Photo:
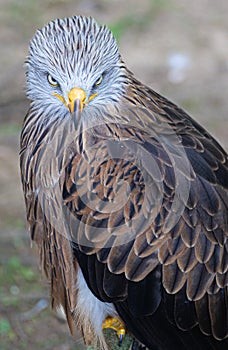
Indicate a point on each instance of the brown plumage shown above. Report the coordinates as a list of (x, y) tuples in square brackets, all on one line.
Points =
[(136, 195)]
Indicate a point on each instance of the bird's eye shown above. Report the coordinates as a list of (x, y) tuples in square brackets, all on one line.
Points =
[(52, 81), (98, 81)]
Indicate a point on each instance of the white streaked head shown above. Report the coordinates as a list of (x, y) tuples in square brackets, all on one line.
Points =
[(74, 53)]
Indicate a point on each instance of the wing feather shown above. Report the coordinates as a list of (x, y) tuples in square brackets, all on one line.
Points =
[(192, 252), (145, 199)]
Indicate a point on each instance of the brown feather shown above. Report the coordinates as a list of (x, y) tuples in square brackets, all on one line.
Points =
[(198, 281), (140, 187), (173, 278)]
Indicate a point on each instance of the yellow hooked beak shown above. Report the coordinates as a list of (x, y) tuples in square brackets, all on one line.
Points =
[(76, 98)]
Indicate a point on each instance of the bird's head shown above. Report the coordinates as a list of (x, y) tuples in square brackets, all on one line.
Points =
[(74, 63)]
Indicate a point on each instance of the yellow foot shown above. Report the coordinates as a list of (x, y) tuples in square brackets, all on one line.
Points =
[(117, 325)]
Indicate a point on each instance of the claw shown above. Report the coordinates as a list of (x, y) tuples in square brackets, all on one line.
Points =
[(117, 325), (121, 336)]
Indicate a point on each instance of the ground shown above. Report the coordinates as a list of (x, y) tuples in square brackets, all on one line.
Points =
[(177, 47)]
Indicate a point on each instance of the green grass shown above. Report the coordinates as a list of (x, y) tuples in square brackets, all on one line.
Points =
[(14, 272), (10, 129), (6, 330), (138, 22)]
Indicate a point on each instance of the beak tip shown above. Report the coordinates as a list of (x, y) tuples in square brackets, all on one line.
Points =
[(76, 99)]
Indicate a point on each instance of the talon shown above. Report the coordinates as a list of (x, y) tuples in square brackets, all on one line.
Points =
[(121, 336), (117, 325)]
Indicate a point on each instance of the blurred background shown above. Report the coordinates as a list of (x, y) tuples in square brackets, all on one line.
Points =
[(179, 48)]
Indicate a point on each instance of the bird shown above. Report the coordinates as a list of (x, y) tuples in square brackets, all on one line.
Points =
[(126, 197)]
